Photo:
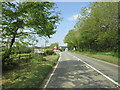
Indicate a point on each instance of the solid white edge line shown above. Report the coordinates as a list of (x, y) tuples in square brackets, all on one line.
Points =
[(102, 61), (52, 72), (96, 70)]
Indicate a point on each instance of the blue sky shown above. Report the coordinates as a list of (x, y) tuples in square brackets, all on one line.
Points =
[(70, 11)]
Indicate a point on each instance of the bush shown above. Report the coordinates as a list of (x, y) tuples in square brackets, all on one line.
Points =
[(37, 58), (61, 50), (54, 54), (49, 51), (9, 64)]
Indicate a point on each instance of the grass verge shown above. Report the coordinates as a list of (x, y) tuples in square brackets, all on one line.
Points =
[(105, 56), (29, 75)]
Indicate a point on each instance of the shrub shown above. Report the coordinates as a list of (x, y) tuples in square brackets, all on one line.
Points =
[(9, 64), (37, 58), (55, 54), (61, 49), (49, 51)]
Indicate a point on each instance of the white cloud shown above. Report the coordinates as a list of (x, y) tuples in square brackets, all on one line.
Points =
[(80, 16), (75, 17)]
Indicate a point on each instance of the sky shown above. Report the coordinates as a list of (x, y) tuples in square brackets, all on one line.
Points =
[(69, 12)]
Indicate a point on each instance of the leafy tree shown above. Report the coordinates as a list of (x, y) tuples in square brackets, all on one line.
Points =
[(53, 45), (72, 38), (97, 30), (106, 28), (39, 17)]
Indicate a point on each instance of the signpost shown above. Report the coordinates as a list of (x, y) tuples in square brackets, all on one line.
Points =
[(55, 49)]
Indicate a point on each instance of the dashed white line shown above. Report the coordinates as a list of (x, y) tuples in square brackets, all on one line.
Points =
[(95, 70), (52, 72)]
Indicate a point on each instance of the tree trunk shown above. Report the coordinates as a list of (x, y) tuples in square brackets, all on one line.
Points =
[(8, 52)]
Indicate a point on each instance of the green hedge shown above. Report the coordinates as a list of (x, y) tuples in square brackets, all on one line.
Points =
[(37, 58), (49, 51)]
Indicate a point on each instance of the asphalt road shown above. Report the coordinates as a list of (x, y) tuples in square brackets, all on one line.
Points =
[(74, 71), (108, 69)]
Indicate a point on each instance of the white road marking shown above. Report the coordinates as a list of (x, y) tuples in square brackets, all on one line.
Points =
[(104, 62), (96, 70), (87, 66), (52, 72)]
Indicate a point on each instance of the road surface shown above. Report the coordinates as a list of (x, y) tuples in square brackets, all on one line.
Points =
[(78, 71)]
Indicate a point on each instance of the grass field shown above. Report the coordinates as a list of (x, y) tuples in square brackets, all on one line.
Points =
[(105, 56), (29, 75)]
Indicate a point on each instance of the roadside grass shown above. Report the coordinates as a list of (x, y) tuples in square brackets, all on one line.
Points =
[(29, 75), (110, 57)]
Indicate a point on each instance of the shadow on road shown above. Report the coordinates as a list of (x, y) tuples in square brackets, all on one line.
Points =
[(75, 74)]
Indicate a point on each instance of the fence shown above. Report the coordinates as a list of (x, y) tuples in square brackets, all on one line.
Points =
[(21, 58)]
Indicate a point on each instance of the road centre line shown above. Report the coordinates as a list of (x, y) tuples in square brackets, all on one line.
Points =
[(95, 70), (52, 73)]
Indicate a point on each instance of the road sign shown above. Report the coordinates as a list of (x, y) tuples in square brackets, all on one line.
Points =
[(55, 47)]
